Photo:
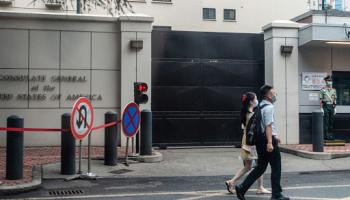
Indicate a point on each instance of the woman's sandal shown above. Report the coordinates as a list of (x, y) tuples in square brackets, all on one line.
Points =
[(263, 191), (229, 187)]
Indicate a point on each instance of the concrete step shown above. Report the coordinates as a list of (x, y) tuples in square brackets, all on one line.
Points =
[(334, 142)]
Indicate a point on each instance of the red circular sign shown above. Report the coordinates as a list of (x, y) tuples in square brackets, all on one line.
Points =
[(131, 119), (82, 118)]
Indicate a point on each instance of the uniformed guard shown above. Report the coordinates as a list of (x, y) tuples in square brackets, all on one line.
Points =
[(328, 97)]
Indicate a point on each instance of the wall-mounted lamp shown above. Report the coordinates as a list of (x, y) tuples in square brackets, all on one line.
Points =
[(136, 44), (286, 49)]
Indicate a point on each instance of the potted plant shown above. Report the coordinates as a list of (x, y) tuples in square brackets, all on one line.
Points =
[(54, 4), (6, 2)]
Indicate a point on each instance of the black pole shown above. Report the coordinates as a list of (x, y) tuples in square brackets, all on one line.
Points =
[(146, 132), (317, 131), (323, 5), (67, 147), (111, 140), (138, 137), (137, 142), (78, 7), (14, 149)]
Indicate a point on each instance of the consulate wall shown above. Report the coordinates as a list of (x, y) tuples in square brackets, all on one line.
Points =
[(47, 61)]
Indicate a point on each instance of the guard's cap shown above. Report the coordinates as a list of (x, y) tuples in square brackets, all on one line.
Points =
[(328, 78)]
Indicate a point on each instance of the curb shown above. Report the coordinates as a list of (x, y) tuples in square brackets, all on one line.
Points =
[(313, 155), (36, 182), (154, 158)]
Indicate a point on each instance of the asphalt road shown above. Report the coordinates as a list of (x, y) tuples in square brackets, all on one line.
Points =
[(303, 186)]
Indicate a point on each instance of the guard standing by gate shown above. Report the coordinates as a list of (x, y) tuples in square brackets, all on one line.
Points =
[(328, 97)]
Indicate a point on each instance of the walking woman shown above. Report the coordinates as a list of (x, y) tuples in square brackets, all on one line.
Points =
[(248, 153)]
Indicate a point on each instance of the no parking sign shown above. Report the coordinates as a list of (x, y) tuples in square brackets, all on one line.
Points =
[(131, 119), (82, 118)]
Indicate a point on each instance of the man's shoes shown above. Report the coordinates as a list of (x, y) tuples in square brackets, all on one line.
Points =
[(239, 193), (280, 198)]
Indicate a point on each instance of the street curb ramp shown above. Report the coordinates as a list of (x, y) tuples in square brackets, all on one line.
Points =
[(154, 158), (34, 184), (313, 155)]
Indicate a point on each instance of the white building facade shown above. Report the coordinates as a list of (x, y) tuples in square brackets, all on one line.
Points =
[(320, 47), (190, 15)]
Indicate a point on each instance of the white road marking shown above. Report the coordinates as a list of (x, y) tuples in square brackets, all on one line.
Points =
[(256, 196), (314, 187), (197, 194)]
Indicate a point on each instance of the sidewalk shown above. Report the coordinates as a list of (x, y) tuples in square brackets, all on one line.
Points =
[(177, 162), (305, 151), (37, 156)]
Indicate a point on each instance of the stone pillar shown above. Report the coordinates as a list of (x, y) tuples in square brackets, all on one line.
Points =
[(135, 64), (281, 71)]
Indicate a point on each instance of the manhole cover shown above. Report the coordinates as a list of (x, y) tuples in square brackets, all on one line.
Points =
[(65, 192), (120, 171)]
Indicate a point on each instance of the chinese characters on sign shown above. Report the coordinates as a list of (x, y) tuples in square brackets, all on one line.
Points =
[(313, 80)]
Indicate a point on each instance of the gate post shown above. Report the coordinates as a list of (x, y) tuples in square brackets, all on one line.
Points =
[(14, 149)]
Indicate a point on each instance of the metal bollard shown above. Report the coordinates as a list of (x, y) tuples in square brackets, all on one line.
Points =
[(317, 131), (111, 140), (67, 147), (14, 149), (137, 142), (146, 132)]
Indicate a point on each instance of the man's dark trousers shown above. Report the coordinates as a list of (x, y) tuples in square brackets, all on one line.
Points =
[(264, 158), (328, 120)]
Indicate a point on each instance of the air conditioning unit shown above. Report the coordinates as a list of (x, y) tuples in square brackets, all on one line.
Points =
[(53, 4), (6, 2)]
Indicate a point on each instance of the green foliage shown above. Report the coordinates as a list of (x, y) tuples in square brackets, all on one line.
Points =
[(113, 7)]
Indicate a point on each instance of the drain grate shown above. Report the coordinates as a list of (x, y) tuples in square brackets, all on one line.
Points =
[(65, 192), (120, 171)]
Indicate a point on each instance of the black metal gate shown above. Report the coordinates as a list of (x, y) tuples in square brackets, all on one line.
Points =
[(197, 81)]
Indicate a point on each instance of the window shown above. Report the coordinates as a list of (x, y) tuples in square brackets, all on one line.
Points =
[(229, 14), (162, 28), (341, 82), (209, 14)]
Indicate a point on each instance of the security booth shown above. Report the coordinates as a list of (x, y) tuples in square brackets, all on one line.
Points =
[(298, 55)]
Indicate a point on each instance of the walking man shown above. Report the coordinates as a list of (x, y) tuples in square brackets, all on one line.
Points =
[(267, 149), (328, 98)]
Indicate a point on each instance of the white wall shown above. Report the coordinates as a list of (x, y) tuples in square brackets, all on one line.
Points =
[(97, 48), (187, 14)]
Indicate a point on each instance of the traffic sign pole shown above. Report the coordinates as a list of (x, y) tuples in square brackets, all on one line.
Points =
[(127, 152), (80, 146), (130, 125), (89, 174), (132, 146)]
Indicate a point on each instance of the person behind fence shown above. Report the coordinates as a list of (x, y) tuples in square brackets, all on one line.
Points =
[(248, 152), (267, 148)]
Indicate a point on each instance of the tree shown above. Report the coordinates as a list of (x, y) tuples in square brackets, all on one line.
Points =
[(111, 6)]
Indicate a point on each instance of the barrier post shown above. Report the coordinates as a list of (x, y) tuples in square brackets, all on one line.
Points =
[(67, 147), (317, 131), (111, 140), (14, 149), (146, 132)]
